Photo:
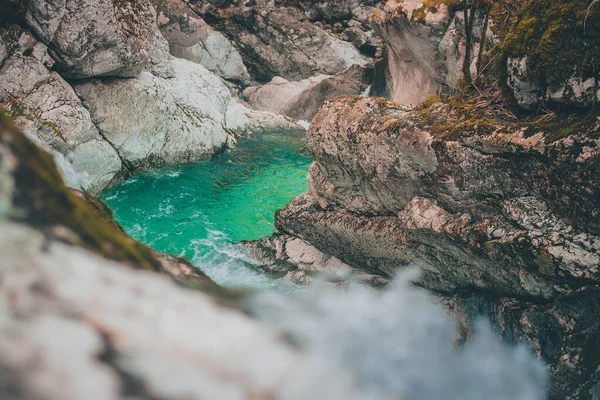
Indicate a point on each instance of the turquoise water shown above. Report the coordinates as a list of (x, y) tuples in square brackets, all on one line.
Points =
[(200, 211)]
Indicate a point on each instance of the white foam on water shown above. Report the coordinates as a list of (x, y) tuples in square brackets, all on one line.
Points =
[(230, 265), (400, 343)]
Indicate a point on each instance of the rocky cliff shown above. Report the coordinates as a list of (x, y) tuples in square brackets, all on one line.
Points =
[(542, 54), (500, 215), (89, 313), (492, 193), (95, 82), (498, 208)]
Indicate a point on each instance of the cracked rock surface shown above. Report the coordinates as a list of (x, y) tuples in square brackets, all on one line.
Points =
[(484, 213), (278, 40)]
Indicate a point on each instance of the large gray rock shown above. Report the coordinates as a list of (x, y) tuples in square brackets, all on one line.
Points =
[(191, 38), (280, 95), (46, 106), (279, 40), (302, 100), (153, 121), (94, 38), (501, 217)]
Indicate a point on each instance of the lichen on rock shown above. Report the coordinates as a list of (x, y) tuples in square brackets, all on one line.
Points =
[(493, 209)]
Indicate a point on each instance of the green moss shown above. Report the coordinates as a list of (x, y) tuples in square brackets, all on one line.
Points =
[(454, 117), (18, 109), (567, 126), (47, 203), (52, 126), (43, 201), (453, 5), (432, 6), (418, 14), (431, 100), (460, 116), (560, 38)]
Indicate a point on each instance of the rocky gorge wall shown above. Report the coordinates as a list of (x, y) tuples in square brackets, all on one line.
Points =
[(501, 217), (500, 213), (498, 208), (95, 82), (89, 313)]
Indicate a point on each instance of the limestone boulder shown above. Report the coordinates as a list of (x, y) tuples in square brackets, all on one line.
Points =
[(94, 38), (45, 106), (193, 39), (302, 100), (154, 121)]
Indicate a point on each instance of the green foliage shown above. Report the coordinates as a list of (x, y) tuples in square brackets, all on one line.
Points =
[(560, 38), (431, 100)]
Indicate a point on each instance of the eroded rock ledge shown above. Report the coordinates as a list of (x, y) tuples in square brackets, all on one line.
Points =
[(501, 216)]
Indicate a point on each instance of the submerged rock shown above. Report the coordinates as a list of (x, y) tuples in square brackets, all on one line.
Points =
[(500, 216)]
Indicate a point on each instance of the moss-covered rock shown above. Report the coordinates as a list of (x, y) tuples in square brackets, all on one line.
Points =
[(560, 39), (39, 198)]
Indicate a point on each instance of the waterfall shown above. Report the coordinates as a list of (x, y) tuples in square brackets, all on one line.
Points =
[(72, 178), (366, 92)]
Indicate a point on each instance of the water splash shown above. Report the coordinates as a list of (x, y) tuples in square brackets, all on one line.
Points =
[(303, 123), (400, 342), (366, 92), (72, 178)]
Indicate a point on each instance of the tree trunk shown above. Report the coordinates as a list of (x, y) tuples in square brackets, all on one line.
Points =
[(483, 40), (469, 19)]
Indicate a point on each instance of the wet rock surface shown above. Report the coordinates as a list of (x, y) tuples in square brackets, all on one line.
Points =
[(479, 212)]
